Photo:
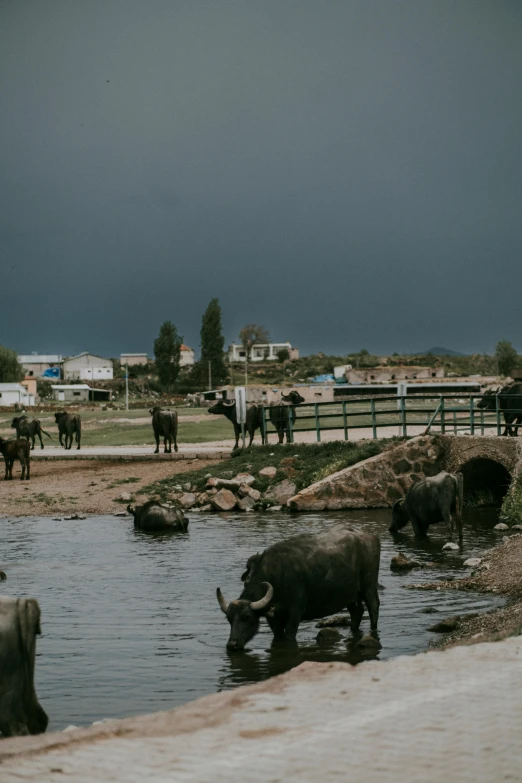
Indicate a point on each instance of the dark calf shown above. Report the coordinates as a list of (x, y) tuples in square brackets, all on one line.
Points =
[(16, 449)]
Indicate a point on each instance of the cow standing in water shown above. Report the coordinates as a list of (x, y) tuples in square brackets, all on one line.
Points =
[(20, 712), (427, 502), (304, 578)]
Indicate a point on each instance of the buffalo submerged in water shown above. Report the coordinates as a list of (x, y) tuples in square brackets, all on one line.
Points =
[(304, 578)]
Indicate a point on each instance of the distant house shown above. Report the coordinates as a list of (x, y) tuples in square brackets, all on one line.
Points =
[(15, 393), (260, 352), (79, 392), (87, 366), (187, 356), (387, 374), (41, 365), (132, 359)]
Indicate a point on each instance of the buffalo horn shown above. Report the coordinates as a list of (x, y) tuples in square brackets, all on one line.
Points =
[(221, 600), (263, 602), (398, 503), (229, 403)]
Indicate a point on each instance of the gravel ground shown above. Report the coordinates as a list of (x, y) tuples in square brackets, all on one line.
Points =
[(87, 487), (501, 573)]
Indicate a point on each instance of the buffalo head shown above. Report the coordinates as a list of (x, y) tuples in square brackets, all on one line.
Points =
[(243, 617), (17, 419), (293, 397), (399, 516), (488, 401), (221, 407)]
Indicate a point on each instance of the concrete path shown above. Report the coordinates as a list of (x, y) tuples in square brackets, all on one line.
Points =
[(188, 450), (433, 718)]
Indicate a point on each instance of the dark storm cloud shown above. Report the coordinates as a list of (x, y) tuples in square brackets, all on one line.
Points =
[(347, 174)]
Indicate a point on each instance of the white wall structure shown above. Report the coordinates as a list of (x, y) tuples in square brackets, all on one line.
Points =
[(87, 366), (12, 393), (132, 359), (260, 352), (187, 356)]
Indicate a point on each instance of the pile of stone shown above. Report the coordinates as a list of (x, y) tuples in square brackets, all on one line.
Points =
[(236, 494)]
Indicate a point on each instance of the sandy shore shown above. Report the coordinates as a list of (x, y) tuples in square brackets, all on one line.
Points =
[(84, 486)]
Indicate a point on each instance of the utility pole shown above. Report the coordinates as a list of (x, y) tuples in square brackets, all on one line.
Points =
[(210, 376), (126, 386)]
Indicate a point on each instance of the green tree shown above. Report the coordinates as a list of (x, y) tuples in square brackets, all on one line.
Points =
[(253, 334), (11, 371), (212, 345), (283, 355), (506, 356), (167, 350)]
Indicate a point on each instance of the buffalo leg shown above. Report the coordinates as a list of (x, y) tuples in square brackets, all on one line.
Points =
[(292, 624), (176, 442), (156, 451), (371, 599), (32, 437), (22, 463), (237, 432), (6, 474), (10, 469), (356, 609), (78, 438), (28, 468), (277, 622)]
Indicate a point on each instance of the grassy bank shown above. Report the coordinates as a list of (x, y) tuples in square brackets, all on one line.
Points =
[(304, 464)]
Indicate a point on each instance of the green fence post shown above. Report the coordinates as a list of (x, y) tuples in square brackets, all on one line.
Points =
[(472, 415), (497, 411), (374, 421), (403, 416), (442, 417), (317, 425), (455, 422), (345, 421), (290, 427)]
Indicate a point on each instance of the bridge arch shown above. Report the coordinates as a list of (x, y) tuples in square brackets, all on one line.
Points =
[(486, 480)]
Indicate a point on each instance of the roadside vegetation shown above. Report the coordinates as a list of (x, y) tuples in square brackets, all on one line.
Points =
[(303, 464)]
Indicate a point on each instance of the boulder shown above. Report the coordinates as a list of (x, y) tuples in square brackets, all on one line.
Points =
[(274, 508), (369, 642), (187, 500), (445, 626), (402, 563), (187, 487), (336, 620), (244, 478), (246, 504), (255, 494), (268, 472), (206, 508), (450, 547), (243, 491), (501, 526), (125, 496), (281, 492), (516, 527), (223, 483), (473, 562), (328, 636), (224, 500)]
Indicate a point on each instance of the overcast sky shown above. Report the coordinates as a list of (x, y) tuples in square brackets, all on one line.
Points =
[(347, 173)]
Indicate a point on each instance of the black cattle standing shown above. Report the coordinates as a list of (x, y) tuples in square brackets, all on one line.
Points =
[(165, 425), (253, 417), (429, 501), (283, 413), (69, 424), (16, 449), (304, 578), (509, 402), (29, 429)]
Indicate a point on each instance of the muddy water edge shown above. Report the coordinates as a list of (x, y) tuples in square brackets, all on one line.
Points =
[(131, 623)]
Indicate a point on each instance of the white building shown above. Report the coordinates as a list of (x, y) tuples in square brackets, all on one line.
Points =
[(87, 366), (12, 393), (186, 356), (79, 392), (133, 359), (36, 364), (260, 352)]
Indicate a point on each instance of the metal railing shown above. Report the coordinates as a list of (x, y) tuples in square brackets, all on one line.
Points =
[(405, 414)]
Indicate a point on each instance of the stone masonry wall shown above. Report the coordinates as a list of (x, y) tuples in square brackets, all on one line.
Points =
[(377, 482)]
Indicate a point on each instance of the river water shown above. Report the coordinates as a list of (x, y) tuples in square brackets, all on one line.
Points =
[(131, 623)]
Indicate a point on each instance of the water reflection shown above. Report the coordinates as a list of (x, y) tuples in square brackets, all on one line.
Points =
[(131, 622)]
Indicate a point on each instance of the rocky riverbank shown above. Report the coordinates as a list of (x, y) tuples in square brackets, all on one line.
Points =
[(499, 572)]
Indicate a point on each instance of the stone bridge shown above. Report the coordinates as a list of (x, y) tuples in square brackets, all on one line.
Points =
[(488, 464)]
